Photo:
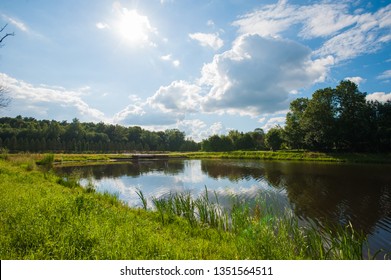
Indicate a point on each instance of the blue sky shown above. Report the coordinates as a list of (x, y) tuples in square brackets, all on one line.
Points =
[(203, 67)]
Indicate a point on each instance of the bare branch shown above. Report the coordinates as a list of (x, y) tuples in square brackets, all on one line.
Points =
[(1, 30), (7, 34)]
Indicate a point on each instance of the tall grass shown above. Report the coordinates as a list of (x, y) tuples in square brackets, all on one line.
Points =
[(142, 198), (262, 229)]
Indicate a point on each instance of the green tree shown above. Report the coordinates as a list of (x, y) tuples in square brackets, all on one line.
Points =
[(216, 143), (258, 137), (380, 126), (319, 120), (274, 138), (352, 117), (175, 139), (293, 124)]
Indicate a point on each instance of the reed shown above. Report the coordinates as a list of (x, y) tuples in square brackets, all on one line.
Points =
[(263, 229), (142, 198)]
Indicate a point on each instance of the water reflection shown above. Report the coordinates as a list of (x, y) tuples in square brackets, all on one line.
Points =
[(332, 193)]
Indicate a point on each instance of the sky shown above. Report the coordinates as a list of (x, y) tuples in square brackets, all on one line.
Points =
[(204, 67)]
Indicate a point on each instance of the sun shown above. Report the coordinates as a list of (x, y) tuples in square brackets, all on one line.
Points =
[(133, 27)]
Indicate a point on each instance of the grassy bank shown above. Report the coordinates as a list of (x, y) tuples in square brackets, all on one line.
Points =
[(293, 155), (46, 217), (257, 155)]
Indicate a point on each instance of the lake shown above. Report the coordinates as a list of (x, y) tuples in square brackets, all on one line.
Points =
[(323, 192)]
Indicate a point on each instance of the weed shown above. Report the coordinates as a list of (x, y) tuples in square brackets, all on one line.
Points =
[(142, 198), (47, 162)]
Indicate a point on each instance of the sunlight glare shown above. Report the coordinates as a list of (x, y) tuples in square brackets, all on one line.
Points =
[(133, 27)]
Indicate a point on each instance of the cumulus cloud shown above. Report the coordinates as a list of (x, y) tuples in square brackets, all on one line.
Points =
[(168, 106), (356, 80), (257, 75), (199, 130), (379, 96), (211, 40), (179, 96), (44, 99), (144, 114), (273, 122)]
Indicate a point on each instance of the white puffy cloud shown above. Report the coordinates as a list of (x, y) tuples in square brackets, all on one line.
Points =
[(198, 130), (356, 80), (211, 40), (257, 75), (273, 122), (168, 106), (102, 25), (179, 96), (44, 99), (168, 57), (143, 114), (379, 96)]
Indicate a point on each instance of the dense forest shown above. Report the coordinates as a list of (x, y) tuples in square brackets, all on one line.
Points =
[(333, 119), (28, 134)]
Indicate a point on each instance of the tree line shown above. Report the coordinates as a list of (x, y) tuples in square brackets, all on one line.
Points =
[(31, 135), (333, 119)]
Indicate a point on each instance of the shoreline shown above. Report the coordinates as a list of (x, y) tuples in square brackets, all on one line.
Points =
[(46, 217)]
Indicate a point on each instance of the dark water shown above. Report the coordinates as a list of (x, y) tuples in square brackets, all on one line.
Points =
[(329, 193)]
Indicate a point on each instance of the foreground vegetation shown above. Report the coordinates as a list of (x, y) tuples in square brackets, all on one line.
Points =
[(43, 216)]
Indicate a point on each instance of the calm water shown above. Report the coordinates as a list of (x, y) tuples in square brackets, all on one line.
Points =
[(335, 193)]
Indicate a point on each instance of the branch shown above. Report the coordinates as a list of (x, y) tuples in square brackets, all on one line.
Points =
[(7, 34), (1, 30)]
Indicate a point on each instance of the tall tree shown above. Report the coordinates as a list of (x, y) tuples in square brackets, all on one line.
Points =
[(352, 117), (319, 120), (293, 124)]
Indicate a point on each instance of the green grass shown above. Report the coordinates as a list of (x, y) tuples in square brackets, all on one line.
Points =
[(42, 219), (262, 230), (46, 217), (291, 155), (295, 155)]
